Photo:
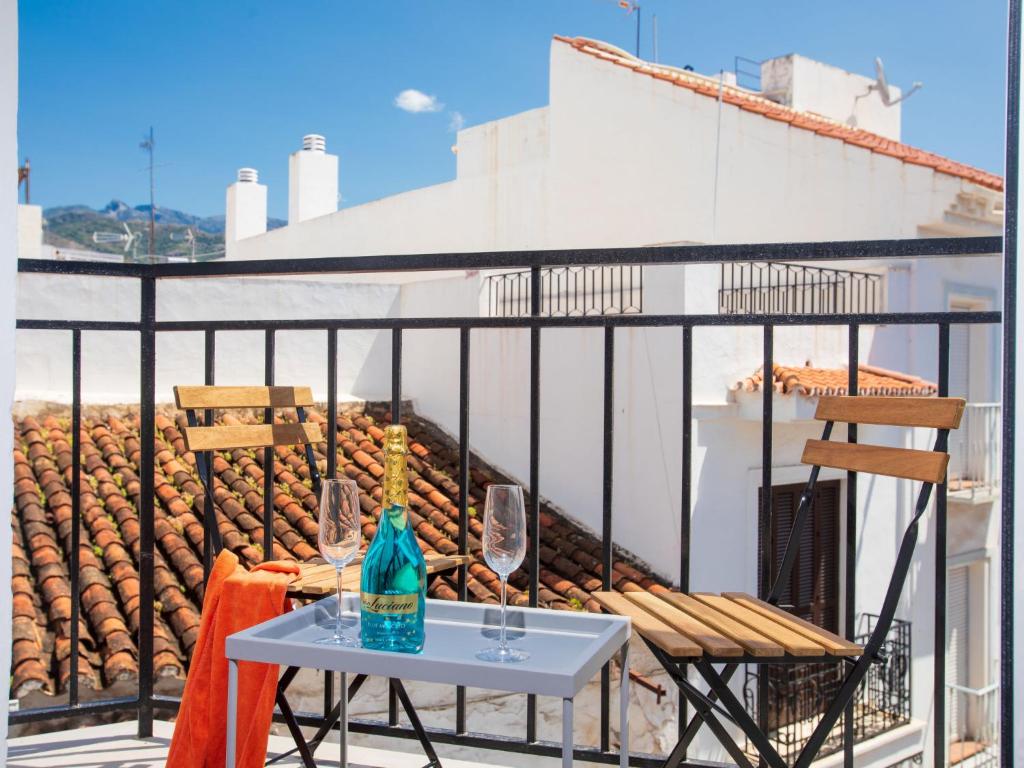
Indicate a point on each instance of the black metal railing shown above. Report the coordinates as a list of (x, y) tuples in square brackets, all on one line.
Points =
[(798, 694), (617, 289), (148, 326), (763, 287)]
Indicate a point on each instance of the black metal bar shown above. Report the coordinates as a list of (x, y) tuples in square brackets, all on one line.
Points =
[(463, 571), (939, 744), (685, 505), (591, 321), (147, 437), (606, 514), (332, 403), (850, 576), (533, 514), (396, 376), (767, 398), (392, 704), (82, 709), (211, 532), (268, 452), (76, 508), (1009, 386), (293, 727), (842, 250), (70, 325)]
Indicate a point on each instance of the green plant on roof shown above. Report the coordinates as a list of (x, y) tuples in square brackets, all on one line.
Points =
[(97, 550), (575, 604), (188, 498), (471, 511)]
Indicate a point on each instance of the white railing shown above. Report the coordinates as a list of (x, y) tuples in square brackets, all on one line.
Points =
[(974, 452), (973, 731)]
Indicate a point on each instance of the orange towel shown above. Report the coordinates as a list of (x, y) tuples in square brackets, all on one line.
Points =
[(236, 599)]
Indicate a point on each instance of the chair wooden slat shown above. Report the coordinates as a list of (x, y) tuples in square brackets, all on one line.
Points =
[(910, 464), (795, 644), (242, 397), (832, 643), (753, 642), (250, 436), (714, 643), (321, 579), (652, 629), (932, 412)]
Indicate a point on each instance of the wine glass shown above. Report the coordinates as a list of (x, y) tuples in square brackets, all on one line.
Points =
[(504, 550), (340, 535)]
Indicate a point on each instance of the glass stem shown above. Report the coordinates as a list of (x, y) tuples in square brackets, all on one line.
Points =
[(337, 624), (502, 641)]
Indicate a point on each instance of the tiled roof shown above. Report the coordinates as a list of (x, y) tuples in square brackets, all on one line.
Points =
[(110, 450), (810, 381), (753, 102)]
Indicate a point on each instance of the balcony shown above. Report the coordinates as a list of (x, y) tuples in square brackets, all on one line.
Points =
[(974, 453), (797, 695), (551, 292), (973, 726)]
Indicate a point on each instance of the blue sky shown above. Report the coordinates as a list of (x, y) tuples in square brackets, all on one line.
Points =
[(229, 84)]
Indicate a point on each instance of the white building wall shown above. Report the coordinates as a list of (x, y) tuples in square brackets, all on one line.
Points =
[(8, 246)]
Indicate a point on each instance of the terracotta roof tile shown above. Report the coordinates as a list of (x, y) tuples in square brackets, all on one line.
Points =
[(753, 102), (109, 553), (812, 382)]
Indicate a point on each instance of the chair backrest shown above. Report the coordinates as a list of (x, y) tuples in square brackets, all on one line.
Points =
[(942, 413), (230, 436)]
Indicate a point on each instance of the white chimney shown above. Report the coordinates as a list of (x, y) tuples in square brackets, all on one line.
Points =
[(246, 212), (312, 180)]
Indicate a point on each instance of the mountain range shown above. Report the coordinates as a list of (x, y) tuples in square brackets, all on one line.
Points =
[(73, 226)]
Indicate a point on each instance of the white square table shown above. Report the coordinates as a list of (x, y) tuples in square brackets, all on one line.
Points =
[(567, 648)]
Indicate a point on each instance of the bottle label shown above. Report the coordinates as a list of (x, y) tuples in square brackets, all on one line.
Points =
[(393, 604)]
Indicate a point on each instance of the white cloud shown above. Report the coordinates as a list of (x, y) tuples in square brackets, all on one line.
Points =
[(412, 100), (455, 122)]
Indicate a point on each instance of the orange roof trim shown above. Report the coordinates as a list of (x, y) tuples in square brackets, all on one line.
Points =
[(751, 102), (813, 382)]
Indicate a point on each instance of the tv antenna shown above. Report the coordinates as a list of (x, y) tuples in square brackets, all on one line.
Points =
[(148, 143), (189, 237), (24, 175), (128, 238), (631, 6), (881, 85)]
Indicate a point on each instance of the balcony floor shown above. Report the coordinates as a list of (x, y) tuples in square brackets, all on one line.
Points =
[(116, 746)]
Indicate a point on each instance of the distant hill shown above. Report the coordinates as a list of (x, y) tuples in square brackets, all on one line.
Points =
[(70, 226)]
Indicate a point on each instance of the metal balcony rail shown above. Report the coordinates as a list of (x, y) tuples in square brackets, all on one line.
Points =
[(145, 702), (975, 451), (798, 694), (568, 291), (974, 734), (760, 287)]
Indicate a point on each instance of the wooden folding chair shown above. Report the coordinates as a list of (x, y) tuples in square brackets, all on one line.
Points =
[(203, 440), (735, 628)]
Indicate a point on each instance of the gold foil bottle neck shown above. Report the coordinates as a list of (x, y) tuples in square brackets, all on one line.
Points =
[(396, 481)]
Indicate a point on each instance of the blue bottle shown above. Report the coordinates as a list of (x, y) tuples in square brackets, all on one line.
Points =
[(394, 577)]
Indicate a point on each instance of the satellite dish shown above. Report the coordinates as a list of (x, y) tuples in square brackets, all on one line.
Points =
[(881, 85)]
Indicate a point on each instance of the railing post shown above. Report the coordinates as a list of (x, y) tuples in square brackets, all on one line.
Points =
[(850, 576), (533, 514), (606, 512), (1012, 286), (767, 395), (268, 453), (463, 573), (939, 693), (76, 508), (147, 414)]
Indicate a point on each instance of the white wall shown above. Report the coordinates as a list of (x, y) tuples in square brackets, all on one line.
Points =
[(30, 231), (8, 247)]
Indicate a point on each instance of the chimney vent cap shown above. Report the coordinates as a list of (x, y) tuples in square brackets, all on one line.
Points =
[(314, 142), (248, 175)]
